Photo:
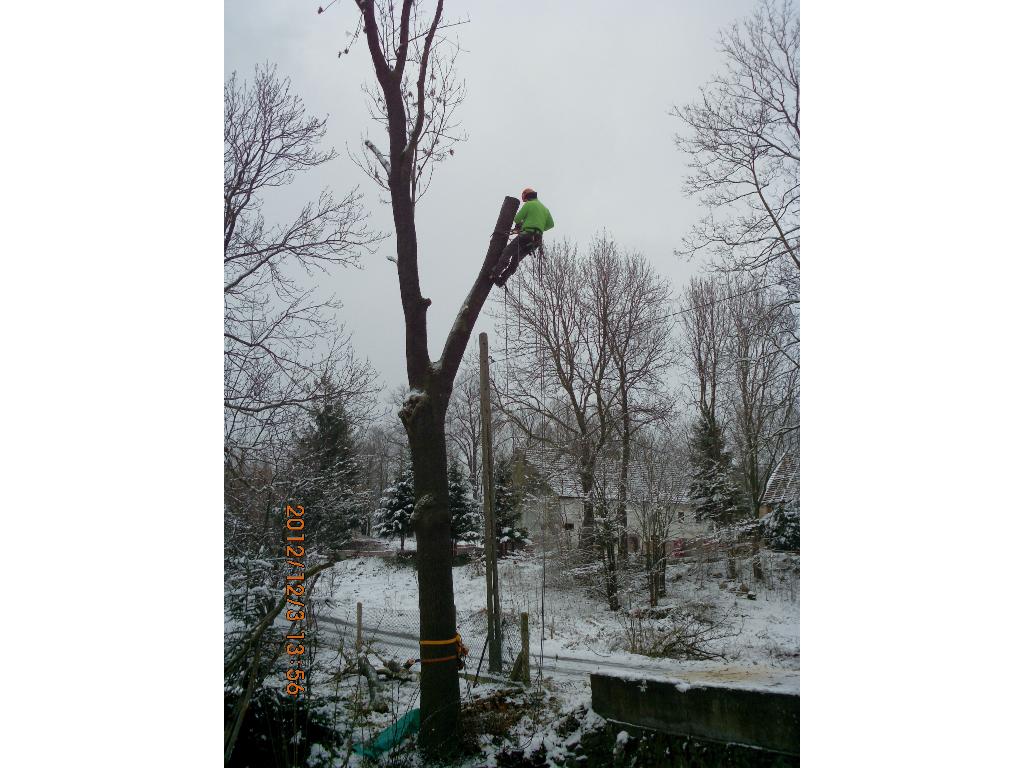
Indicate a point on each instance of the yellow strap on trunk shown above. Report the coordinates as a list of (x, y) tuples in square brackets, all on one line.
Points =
[(455, 639)]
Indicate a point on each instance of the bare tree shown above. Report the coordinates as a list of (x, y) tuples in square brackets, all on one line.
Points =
[(744, 148), (765, 387), (558, 341), (563, 311), (380, 452), (463, 424), (280, 344), (283, 356), (279, 340), (413, 100), (632, 306), (596, 328), (744, 145), (658, 492), (706, 345), (706, 328)]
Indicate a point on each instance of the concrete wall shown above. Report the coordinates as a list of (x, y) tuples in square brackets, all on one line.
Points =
[(757, 718)]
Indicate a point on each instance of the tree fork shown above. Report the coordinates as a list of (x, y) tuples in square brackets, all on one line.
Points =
[(423, 415)]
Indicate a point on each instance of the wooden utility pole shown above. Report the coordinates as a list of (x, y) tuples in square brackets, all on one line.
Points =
[(524, 637), (521, 669), (490, 527)]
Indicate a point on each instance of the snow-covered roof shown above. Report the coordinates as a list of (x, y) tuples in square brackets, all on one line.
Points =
[(784, 483)]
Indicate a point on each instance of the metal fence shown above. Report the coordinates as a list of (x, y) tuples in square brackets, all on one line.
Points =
[(394, 634)]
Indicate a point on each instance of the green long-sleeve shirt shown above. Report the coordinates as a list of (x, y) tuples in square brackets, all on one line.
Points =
[(534, 215)]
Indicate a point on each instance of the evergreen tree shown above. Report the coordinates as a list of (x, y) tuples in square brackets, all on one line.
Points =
[(394, 516), (467, 520), (326, 472), (507, 508), (713, 492), (781, 529)]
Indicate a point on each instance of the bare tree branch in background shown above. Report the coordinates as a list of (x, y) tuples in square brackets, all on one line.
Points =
[(279, 340), (558, 340), (764, 389), (744, 148), (633, 309), (661, 484), (706, 330), (284, 357), (463, 420)]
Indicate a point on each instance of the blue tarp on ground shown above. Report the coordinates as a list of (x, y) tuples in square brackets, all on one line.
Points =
[(391, 736)]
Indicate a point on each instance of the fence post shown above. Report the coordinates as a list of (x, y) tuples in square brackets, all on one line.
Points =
[(359, 627), (524, 634)]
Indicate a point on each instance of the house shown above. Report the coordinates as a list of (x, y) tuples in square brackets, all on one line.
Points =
[(783, 485), (560, 514)]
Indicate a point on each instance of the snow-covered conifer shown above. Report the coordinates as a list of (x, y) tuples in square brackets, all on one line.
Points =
[(507, 509), (467, 519), (393, 517), (713, 492)]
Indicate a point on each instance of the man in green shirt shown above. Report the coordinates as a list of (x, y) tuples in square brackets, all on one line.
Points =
[(532, 220)]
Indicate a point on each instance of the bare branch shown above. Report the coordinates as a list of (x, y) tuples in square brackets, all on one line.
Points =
[(744, 145)]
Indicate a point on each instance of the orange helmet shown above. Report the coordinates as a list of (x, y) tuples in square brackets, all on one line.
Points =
[(528, 191)]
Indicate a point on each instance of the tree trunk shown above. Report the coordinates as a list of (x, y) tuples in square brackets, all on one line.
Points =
[(624, 477), (587, 530), (431, 383), (587, 539), (611, 581), (662, 567), (474, 475), (423, 417)]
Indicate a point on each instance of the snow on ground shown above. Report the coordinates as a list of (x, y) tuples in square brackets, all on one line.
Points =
[(761, 646), (760, 642)]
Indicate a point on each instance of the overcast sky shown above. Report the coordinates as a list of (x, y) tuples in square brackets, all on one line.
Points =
[(570, 97)]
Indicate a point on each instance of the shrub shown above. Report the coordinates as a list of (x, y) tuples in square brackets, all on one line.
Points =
[(781, 529)]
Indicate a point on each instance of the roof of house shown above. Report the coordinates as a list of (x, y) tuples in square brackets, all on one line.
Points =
[(784, 483)]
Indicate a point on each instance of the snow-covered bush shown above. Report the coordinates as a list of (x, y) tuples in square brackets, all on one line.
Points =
[(691, 632), (781, 529), (511, 539)]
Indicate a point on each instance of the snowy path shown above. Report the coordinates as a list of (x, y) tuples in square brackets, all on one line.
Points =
[(563, 666)]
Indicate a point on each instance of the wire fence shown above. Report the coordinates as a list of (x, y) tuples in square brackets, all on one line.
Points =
[(394, 634)]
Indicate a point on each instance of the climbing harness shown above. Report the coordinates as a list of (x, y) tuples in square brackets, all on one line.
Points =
[(513, 263)]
